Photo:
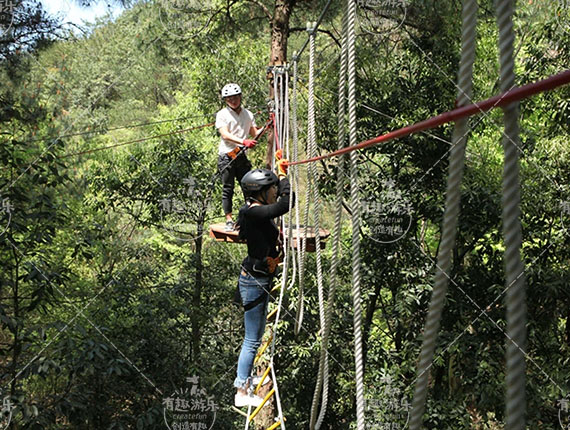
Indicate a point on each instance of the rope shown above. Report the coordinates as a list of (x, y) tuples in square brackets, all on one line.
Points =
[(512, 230), (323, 375), (312, 144), (501, 100), (355, 206), (295, 172), (281, 106), (449, 228), (315, 189)]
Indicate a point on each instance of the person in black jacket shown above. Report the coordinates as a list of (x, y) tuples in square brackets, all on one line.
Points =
[(267, 198)]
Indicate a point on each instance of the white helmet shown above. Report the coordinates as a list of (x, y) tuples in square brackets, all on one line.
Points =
[(230, 90)]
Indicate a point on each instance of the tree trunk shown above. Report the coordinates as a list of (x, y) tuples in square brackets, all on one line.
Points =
[(278, 55)]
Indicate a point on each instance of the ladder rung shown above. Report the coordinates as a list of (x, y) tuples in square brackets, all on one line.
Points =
[(254, 413), (274, 426), (262, 379), (262, 350)]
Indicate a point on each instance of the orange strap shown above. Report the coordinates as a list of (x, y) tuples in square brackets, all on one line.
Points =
[(272, 263), (234, 152)]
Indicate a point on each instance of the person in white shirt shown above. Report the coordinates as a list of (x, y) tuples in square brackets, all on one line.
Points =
[(235, 125)]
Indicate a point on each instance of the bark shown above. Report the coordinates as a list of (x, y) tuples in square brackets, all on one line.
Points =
[(278, 54)]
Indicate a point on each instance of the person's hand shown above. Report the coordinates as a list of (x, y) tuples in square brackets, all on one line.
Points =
[(279, 154), (249, 143), (282, 166)]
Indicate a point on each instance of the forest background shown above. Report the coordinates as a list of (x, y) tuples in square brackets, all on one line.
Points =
[(111, 293)]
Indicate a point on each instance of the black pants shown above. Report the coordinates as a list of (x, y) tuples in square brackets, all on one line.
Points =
[(230, 172)]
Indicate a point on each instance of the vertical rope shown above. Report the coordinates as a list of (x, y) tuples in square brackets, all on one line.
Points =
[(514, 267), (323, 375), (452, 203), (295, 172), (313, 173), (313, 177), (355, 207)]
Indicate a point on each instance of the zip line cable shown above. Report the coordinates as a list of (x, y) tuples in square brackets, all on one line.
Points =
[(501, 100), (143, 139), (123, 127)]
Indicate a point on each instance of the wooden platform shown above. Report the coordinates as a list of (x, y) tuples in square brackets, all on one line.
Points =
[(217, 232)]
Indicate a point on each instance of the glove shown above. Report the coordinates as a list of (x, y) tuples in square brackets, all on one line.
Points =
[(282, 167), (279, 154), (249, 143)]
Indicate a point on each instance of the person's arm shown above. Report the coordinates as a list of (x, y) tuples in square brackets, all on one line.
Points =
[(254, 131), (229, 137), (280, 207)]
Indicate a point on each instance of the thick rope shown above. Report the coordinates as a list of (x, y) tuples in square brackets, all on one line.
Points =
[(300, 243), (452, 204), (355, 207), (312, 144), (323, 375), (315, 192), (514, 268), (280, 104)]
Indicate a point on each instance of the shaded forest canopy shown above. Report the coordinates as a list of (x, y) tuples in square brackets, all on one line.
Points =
[(111, 296)]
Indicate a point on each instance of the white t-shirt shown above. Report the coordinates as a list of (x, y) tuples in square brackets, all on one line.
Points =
[(238, 125)]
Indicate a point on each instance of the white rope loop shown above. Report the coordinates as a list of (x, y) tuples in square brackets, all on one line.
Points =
[(512, 230), (451, 214), (355, 207), (323, 375), (295, 172)]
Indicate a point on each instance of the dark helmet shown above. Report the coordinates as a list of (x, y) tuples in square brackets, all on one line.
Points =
[(257, 179)]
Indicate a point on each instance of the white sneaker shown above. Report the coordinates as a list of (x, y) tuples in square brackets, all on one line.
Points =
[(242, 400), (256, 379)]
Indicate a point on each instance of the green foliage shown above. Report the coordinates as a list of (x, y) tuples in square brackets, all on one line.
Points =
[(108, 300)]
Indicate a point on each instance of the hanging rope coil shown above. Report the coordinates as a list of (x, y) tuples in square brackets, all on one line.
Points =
[(452, 203), (512, 230), (355, 207), (323, 375)]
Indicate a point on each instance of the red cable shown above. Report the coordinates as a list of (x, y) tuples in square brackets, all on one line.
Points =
[(272, 116), (500, 100)]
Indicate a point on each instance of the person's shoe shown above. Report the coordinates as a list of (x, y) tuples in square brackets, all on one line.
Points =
[(242, 400), (230, 226), (255, 380)]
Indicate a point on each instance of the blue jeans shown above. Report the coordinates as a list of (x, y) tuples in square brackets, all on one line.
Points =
[(251, 288)]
